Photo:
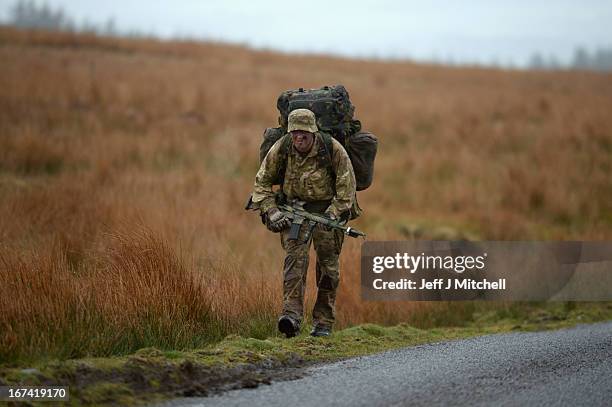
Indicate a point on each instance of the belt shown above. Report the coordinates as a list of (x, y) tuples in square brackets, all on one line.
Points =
[(317, 206)]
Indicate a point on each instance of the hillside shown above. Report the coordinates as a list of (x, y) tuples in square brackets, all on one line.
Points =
[(125, 166)]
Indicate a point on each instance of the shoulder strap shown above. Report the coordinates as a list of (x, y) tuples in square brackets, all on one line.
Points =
[(326, 151), (283, 154)]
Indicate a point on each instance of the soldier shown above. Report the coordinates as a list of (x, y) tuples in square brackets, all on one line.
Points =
[(325, 190)]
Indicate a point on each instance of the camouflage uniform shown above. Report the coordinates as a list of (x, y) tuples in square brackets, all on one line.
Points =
[(306, 180)]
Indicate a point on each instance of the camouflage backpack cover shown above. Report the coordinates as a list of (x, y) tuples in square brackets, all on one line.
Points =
[(330, 104)]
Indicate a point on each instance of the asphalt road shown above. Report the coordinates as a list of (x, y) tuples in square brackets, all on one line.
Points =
[(569, 367)]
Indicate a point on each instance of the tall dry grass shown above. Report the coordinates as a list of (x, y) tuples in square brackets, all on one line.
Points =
[(125, 164)]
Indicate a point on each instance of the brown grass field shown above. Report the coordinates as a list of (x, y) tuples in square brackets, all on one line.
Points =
[(125, 166)]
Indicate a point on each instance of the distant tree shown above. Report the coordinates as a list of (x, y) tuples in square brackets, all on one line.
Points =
[(602, 60), (28, 14), (496, 63), (537, 61), (599, 60), (110, 28), (450, 61), (552, 62), (581, 60), (88, 27)]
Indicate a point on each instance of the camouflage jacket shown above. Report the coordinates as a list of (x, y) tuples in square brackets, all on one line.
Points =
[(306, 180)]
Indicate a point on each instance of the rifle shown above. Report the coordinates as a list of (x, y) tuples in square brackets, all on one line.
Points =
[(299, 215)]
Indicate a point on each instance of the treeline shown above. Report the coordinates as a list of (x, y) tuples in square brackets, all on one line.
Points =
[(29, 14), (598, 60)]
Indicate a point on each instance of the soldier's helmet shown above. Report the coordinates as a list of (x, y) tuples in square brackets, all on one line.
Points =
[(302, 119)]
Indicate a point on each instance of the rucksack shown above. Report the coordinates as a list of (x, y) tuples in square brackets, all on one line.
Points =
[(334, 112), (330, 104)]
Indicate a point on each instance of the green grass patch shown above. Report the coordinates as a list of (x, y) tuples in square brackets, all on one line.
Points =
[(138, 378)]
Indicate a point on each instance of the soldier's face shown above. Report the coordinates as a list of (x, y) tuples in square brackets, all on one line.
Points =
[(302, 140)]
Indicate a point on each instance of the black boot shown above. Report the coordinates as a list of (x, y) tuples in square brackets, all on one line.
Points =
[(288, 326), (320, 330)]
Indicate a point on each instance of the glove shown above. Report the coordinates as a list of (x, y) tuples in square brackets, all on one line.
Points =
[(276, 221)]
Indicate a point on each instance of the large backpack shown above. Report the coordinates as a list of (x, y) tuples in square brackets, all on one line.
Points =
[(334, 112), (330, 104)]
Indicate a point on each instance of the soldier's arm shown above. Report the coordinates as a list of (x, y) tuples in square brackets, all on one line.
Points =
[(345, 181), (263, 194)]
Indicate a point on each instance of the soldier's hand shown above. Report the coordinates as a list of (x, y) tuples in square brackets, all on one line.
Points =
[(276, 221)]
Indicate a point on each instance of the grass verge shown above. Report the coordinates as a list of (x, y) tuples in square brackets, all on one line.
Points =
[(237, 362)]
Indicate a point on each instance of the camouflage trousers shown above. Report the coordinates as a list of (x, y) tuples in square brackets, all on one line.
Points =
[(327, 246)]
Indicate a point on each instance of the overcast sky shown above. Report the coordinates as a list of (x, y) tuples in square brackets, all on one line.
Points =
[(463, 31)]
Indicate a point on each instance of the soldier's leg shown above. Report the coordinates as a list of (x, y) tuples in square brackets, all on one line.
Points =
[(328, 245), (294, 274)]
